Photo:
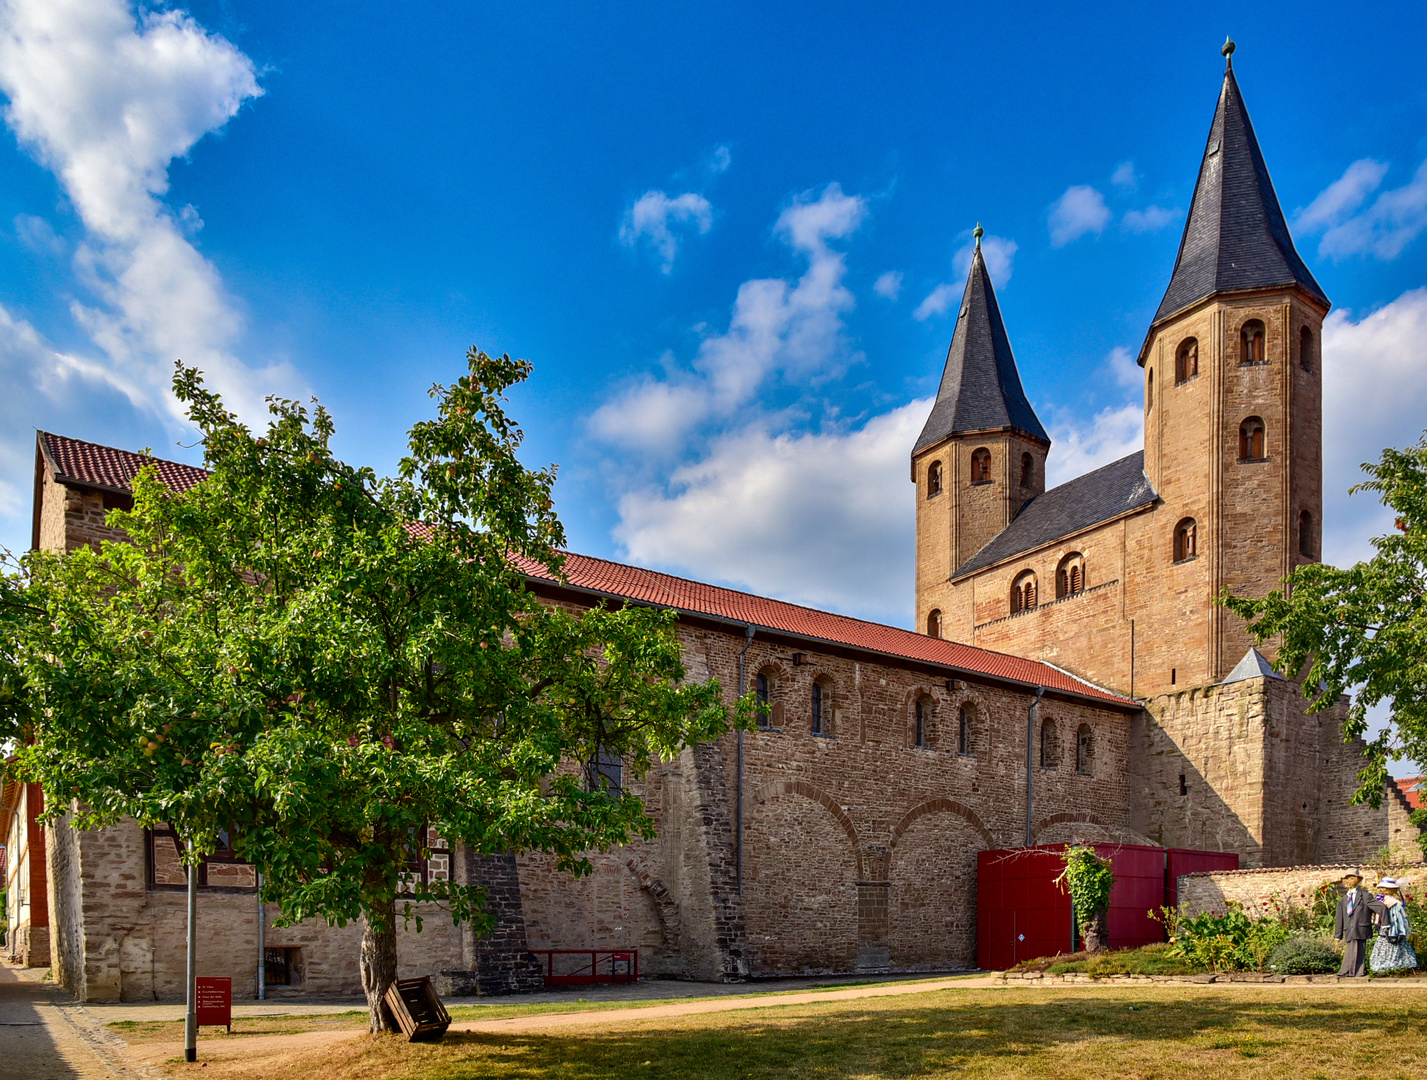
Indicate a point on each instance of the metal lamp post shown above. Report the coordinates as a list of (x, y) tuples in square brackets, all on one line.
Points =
[(190, 1020)]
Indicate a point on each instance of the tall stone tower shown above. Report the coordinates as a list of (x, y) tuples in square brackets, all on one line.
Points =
[(981, 455), (1233, 400)]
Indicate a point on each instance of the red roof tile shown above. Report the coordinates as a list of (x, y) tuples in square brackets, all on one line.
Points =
[(83, 462), (103, 466), (694, 597), (1412, 788)]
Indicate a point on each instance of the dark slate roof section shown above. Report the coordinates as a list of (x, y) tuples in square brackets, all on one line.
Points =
[(78, 462), (1108, 492), (1236, 237), (980, 386)]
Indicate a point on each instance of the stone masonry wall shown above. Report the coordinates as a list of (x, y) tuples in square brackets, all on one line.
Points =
[(1261, 891)]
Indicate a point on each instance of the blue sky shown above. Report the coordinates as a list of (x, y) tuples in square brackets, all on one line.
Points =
[(721, 233)]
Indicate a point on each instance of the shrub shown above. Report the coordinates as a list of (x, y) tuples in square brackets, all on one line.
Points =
[(1228, 942), (1304, 956)]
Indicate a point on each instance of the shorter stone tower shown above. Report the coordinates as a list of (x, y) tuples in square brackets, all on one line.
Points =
[(981, 455)]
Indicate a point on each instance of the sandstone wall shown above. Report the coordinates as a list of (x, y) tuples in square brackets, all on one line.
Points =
[(1261, 891)]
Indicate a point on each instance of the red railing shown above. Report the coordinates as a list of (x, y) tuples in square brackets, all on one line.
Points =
[(599, 966)]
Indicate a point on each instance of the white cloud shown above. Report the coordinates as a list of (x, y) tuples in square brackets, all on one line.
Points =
[(106, 99), (1124, 368), (776, 327), (1150, 219), (888, 284), (1374, 396), (720, 159), (1383, 228), (1124, 176), (1000, 255), (658, 219), (818, 518), (1079, 211), (1079, 446)]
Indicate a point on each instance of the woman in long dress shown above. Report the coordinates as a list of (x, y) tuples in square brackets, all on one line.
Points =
[(1391, 950)]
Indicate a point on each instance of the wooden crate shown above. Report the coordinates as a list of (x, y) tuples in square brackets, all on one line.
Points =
[(418, 1009)]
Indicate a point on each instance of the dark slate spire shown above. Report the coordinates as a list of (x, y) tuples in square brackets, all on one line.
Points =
[(1236, 237), (980, 386)]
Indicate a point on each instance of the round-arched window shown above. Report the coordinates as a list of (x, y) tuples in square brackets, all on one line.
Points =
[(1186, 360)]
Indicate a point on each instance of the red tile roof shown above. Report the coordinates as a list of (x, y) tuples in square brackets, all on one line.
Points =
[(665, 590), (1412, 788), (103, 466), (89, 463)]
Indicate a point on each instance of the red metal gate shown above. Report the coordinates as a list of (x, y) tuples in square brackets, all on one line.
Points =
[(576, 967)]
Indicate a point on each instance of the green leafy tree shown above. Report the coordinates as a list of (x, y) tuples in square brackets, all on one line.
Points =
[(329, 664), (1087, 879), (1363, 629)]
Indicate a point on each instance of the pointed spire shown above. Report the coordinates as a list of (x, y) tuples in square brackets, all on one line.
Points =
[(1236, 237), (980, 386)]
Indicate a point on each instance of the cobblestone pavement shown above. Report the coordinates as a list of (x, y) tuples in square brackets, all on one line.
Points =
[(45, 1036)]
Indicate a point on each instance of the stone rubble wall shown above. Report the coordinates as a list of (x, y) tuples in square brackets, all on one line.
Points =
[(1263, 891)]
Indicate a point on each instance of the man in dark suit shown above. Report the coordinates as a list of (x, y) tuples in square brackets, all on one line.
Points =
[(1353, 925)]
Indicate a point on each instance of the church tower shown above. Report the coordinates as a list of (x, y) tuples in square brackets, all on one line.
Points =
[(1233, 405), (981, 455)]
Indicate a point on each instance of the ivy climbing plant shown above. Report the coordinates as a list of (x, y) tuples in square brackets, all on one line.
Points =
[(1087, 879)]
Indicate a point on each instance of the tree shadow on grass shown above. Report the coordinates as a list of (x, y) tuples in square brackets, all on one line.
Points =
[(1053, 1036)]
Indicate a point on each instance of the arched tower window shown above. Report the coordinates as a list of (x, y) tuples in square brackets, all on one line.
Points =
[(1149, 390), (1305, 534), (1185, 540), (1085, 751), (1028, 470), (981, 466), (966, 730), (1186, 360), (1305, 349), (922, 721), (934, 622), (1050, 745), (1251, 343), (1070, 576), (933, 479), (1023, 592), (1253, 443)]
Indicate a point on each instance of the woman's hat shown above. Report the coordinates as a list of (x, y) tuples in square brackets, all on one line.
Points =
[(1387, 883)]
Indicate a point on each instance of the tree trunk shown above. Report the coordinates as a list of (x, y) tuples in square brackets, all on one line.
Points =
[(1095, 936), (379, 968)]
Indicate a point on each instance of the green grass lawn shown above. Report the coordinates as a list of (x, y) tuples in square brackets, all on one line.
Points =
[(1063, 1033), (1146, 960)]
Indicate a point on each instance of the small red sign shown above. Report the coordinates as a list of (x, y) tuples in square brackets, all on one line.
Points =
[(215, 1002)]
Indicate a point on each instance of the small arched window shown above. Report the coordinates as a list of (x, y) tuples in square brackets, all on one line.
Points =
[(1149, 390), (1305, 534), (981, 466), (1305, 349), (934, 623), (763, 690), (965, 730), (1186, 360), (1028, 470), (819, 703), (1085, 751), (1251, 343), (921, 719), (1185, 540), (1023, 592), (1070, 576), (933, 479), (1050, 745), (1252, 440)]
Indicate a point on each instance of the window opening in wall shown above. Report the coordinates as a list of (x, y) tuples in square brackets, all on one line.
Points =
[(1084, 751), (1070, 576), (1186, 360), (963, 731), (933, 479), (934, 623), (1050, 745), (220, 868), (1173, 673), (1252, 440), (1149, 390), (1305, 349), (1305, 534), (1183, 787), (282, 966), (763, 691), (920, 711), (981, 466), (817, 708), (429, 856), (1023, 592), (1185, 540), (1028, 470), (1251, 343), (605, 772)]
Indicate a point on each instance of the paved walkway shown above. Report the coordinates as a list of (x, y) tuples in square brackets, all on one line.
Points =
[(44, 1035)]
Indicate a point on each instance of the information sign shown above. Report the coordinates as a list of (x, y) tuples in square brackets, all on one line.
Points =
[(215, 1002)]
